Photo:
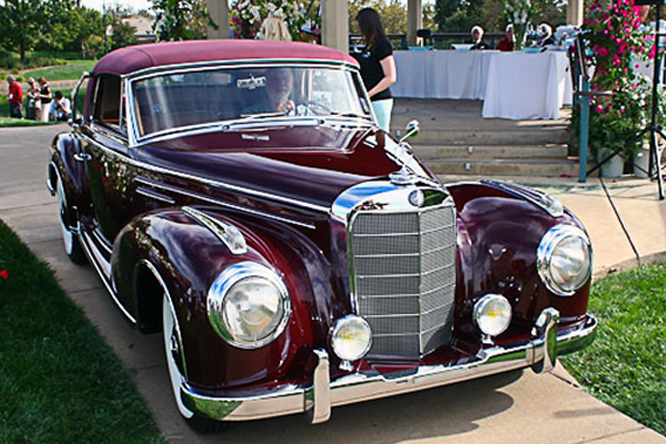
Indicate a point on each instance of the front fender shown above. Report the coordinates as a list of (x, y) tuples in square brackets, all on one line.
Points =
[(64, 166), (189, 257), (500, 236)]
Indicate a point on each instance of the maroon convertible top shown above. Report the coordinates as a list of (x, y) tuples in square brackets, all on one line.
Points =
[(136, 58)]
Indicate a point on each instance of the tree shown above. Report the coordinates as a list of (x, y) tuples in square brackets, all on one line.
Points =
[(123, 34), (20, 25), (56, 27), (88, 27), (393, 14), (180, 19), (459, 15)]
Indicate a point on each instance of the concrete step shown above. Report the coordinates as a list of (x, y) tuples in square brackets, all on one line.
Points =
[(487, 152), (552, 134), (554, 167)]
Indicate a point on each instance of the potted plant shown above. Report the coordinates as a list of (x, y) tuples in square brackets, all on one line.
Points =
[(615, 41)]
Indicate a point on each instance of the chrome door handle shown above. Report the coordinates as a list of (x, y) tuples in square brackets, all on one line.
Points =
[(82, 157)]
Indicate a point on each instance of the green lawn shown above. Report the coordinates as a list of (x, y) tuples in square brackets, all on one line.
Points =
[(71, 71), (59, 381), (626, 365)]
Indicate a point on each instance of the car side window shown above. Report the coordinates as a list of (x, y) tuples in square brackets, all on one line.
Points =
[(107, 106)]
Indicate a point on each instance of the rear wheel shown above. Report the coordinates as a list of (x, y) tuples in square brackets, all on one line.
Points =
[(172, 345), (69, 238)]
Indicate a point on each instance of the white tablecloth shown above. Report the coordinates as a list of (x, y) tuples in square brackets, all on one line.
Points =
[(513, 85), (527, 86), (441, 74)]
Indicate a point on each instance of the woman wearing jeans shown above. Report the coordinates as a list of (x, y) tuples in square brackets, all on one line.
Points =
[(377, 65)]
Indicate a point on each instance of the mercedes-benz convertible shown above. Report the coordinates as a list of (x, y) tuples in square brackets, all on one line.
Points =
[(238, 197)]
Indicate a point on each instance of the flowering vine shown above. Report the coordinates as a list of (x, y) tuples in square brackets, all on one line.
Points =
[(248, 15), (617, 43)]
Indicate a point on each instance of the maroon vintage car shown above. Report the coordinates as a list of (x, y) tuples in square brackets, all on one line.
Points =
[(238, 197)]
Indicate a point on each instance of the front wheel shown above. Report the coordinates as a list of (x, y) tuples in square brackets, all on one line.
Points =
[(69, 238), (172, 345)]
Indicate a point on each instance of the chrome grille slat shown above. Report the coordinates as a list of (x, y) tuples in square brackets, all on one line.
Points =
[(403, 265)]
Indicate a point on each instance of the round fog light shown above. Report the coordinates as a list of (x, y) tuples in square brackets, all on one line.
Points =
[(351, 338), (492, 314)]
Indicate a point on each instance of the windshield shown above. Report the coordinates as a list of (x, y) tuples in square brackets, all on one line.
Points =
[(170, 101)]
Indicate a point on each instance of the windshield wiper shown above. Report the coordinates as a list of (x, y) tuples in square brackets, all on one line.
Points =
[(264, 115), (358, 116)]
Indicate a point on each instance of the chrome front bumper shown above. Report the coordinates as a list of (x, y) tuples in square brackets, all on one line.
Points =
[(540, 353)]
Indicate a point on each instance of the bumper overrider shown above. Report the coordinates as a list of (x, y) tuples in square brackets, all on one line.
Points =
[(540, 353)]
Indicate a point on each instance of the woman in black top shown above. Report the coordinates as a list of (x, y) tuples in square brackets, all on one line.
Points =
[(377, 65), (45, 97)]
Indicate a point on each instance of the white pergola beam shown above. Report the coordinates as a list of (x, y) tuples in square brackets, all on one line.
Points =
[(335, 25), (219, 13), (414, 20)]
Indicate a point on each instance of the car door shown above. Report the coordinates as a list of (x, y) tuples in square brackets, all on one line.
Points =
[(108, 168)]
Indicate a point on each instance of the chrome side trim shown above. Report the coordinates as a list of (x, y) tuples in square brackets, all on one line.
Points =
[(214, 183), (227, 233), (546, 202), (146, 192), (359, 387), (91, 258), (222, 203)]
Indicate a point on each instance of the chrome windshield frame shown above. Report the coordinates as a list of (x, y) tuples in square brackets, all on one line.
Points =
[(136, 139)]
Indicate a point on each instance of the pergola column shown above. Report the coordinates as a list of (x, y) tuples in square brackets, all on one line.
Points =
[(575, 12), (414, 20), (335, 27), (219, 13)]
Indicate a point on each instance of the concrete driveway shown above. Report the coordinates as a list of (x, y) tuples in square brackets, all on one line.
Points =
[(513, 408)]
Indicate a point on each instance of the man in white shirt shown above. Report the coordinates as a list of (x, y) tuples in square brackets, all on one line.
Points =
[(60, 108)]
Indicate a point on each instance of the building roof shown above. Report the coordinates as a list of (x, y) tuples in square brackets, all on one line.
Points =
[(136, 58)]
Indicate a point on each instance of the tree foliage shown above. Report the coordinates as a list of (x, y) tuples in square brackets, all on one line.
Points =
[(180, 19), (393, 14), (53, 25), (20, 25), (461, 15)]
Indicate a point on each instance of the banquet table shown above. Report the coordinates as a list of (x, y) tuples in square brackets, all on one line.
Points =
[(513, 85)]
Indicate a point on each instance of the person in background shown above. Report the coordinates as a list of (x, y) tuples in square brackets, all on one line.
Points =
[(45, 97), (477, 39), (507, 43), (15, 94), (274, 28), (545, 35), (60, 108), (34, 103), (377, 65), (279, 85)]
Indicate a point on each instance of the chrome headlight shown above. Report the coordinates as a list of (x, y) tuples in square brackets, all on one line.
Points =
[(492, 314), (351, 338), (564, 259), (248, 305)]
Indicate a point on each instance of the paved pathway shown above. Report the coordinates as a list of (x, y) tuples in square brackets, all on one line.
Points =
[(512, 408)]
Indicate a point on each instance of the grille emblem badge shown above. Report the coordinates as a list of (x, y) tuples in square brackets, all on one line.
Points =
[(417, 198)]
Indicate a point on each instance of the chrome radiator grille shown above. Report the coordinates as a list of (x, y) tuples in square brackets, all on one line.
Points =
[(404, 271)]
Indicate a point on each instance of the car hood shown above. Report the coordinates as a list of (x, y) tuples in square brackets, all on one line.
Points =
[(306, 165)]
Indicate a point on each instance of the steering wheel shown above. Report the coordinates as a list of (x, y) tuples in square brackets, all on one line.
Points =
[(316, 108)]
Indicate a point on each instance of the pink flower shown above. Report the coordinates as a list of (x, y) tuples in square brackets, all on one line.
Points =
[(4, 274), (599, 109)]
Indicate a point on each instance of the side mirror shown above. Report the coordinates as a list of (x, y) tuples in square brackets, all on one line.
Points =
[(75, 122), (411, 130)]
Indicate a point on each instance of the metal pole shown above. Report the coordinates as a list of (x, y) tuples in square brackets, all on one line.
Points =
[(583, 131), (104, 26)]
